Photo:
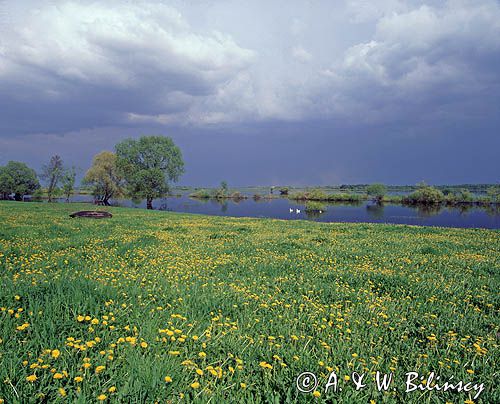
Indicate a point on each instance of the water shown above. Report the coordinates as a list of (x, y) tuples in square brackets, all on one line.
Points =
[(363, 212)]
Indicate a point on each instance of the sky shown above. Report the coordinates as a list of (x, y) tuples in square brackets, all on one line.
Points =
[(257, 92)]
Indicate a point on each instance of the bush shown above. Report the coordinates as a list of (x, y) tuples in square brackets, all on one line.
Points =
[(345, 197), (377, 191), (425, 194), (314, 206), (237, 195), (201, 193)]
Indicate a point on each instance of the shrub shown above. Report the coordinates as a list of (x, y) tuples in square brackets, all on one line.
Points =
[(377, 191), (201, 193), (425, 194)]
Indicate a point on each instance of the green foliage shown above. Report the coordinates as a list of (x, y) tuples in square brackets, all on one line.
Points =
[(201, 194), (425, 194), (18, 179), (237, 195), (104, 177), (316, 195), (377, 191), (315, 206), (68, 182), (494, 193), (221, 192), (345, 197), (52, 174), (148, 164)]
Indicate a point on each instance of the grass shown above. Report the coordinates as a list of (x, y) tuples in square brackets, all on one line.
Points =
[(153, 306)]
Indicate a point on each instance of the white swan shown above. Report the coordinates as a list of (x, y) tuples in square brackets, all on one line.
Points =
[(291, 210), (297, 211)]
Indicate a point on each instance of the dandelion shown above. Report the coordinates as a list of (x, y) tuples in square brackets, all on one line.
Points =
[(144, 344), (195, 385), (316, 393), (265, 365), (168, 379), (58, 375), (99, 369), (78, 379), (55, 353), (102, 397), (62, 392), (112, 389), (243, 385), (31, 378)]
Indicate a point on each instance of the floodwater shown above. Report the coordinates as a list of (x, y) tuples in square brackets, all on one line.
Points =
[(282, 208)]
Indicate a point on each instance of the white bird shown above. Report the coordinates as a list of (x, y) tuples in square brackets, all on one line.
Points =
[(291, 210), (297, 211), (320, 211)]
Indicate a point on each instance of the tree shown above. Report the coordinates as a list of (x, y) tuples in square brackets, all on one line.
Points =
[(18, 179), (147, 165), (377, 191), (52, 173), (494, 193), (68, 182), (104, 177)]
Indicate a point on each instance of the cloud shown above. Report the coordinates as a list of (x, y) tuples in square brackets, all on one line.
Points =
[(70, 65), (128, 59), (428, 61), (299, 53)]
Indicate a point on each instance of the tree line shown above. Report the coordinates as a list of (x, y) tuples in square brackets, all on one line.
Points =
[(138, 168)]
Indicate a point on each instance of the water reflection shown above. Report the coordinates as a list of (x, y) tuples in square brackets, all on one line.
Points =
[(375, 211), (283, 208), (428, 210)]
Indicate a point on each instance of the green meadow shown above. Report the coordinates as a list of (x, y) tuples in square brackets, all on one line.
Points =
[(162, 307)]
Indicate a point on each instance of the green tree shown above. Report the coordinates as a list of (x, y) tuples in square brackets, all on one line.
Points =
[(52, 174), (377, 191), (147, 165), (104, 178), (68, 182), (494, 193), (18, 179)]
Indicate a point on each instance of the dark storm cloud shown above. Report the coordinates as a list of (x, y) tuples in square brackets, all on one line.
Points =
[(345, 91)]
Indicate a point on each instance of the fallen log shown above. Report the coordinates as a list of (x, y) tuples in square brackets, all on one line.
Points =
[(93, 214)]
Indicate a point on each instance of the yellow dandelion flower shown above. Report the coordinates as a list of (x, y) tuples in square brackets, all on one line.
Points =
[(58, 375), (99, 369), (62, 392), (112, 389), (195, 385), (144, 344), (316, 393), (31, 378), (168, 379), (78, 379), (55, 353), (102, 397)]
